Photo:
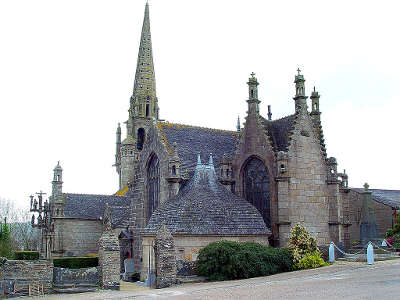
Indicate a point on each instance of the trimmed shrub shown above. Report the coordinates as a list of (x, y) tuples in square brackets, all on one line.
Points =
[(76, 262), (26, 255), (310, 261), (235, 260)]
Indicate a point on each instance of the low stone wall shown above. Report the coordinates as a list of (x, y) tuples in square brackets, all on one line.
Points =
[(22, 273), (75, 276), (185, 268)]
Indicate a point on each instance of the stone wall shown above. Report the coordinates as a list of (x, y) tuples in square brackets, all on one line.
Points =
[(165, 258), (308, 191), (25, 272), (74, 237), (188, 247), (75, 276), (383, 215), (109, 260)]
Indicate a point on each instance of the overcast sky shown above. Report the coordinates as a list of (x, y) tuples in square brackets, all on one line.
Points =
[(67, 70)]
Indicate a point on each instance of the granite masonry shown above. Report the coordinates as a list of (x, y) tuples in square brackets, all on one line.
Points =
[(19, 274), (165, 258), (265, 176)]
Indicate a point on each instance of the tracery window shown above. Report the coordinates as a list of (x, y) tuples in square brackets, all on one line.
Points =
[(257, 189), (153, 185)]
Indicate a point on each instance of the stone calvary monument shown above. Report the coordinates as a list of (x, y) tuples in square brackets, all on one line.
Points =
[(250, 184)]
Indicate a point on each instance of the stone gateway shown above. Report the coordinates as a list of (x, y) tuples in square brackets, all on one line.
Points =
[(249, 184)]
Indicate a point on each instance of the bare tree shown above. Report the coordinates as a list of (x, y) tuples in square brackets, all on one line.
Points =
[(22, 234)]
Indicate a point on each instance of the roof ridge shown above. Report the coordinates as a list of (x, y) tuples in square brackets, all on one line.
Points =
[(198, 127), (112, 195), (285, 117)]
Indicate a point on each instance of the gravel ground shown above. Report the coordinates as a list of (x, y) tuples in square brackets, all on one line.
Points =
[(342, 280)]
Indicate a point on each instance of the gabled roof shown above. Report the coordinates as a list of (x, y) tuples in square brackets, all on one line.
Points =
[(205, 207), (387, 197), (192, 140), (278, 131), (91, 207)]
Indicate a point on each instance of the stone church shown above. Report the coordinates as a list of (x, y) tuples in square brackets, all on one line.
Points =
[(250, 184)]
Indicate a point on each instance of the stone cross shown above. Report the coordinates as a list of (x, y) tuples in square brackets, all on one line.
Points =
[(298, 71), (252, 74)]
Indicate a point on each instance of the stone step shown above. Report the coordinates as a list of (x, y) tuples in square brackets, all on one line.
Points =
[(191, 279), (74, 290)]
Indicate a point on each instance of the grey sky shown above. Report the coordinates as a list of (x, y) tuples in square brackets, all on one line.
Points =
[(67, 70)]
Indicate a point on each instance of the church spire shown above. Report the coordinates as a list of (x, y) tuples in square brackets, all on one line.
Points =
[(144, 100)]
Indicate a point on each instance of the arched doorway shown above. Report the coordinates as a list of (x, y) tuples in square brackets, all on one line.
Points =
[(256, 187), (153, 185)]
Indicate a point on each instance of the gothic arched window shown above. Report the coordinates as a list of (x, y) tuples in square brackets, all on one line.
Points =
[(256, 187), (153, 185), (141, 135)]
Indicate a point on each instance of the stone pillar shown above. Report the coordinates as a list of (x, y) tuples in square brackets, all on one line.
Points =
[(109, 258), (368, 227), (165, 258)]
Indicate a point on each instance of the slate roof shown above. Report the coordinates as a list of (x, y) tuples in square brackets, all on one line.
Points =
[(91, 207), (205, 207), (387, 197), (278, 131), (193, 140)]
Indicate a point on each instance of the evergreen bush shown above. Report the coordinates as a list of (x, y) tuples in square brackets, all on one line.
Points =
[(235, 260), (76, 262), (26, 255)]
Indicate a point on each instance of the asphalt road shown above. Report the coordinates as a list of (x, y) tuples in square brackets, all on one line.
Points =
[(342, 280)]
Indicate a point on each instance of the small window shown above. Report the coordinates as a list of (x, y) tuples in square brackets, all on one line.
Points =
[(251, 94), (173, 170), (147, 110)]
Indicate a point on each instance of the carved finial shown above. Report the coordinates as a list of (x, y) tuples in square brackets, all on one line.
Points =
[(198, 159), (210, 161), (366, 187), (269, 113), (107, 217), (175, 148), (238, 125)]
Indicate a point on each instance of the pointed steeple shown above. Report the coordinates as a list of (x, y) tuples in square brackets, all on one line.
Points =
[(238, 125), (144, 99)]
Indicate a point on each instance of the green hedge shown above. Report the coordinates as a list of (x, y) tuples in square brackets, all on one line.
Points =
[(235, 260), (26, 255), (76, 262)]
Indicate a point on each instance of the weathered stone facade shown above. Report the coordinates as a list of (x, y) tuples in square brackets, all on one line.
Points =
[(26, 272)]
